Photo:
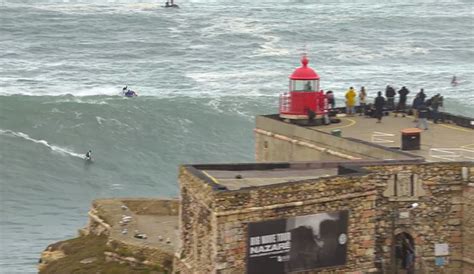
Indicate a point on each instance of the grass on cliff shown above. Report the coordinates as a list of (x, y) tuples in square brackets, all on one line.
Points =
[(85, 247)]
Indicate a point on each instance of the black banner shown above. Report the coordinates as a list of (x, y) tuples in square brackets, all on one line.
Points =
[(298, 243)]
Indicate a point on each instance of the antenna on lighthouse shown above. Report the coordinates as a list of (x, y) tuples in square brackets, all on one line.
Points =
[(304, 51)]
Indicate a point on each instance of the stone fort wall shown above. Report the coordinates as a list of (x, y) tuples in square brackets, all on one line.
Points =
[(214, 221), (468, 225)]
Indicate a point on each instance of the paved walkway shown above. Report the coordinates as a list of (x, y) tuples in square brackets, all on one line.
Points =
[(441, 142)]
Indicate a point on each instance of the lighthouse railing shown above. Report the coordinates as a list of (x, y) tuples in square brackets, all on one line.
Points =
[(322, 106), (285, 102)]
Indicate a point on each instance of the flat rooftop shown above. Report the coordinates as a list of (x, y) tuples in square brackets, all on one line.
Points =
[(441, 142), (237, 179)]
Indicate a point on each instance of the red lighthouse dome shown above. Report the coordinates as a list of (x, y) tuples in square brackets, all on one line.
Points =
[(304, 99), (304, 72)]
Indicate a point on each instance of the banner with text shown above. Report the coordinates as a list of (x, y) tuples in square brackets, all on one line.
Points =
[(297, 243)]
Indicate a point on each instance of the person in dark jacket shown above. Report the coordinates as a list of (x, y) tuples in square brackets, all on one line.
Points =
[(379, 103), (331, 99), (369, 111), (422, 94), (436, 102), (423, 113), (417, 102), (402, 101), (390, 94)]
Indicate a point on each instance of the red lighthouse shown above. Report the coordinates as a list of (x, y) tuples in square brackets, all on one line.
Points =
[(304, 100)]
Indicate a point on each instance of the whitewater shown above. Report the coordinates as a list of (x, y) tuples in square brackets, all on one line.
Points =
[(202, 73)]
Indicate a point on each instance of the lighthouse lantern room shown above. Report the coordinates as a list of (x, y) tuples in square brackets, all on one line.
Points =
[(304, 100)]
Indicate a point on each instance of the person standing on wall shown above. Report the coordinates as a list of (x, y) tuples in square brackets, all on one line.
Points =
[(390, 94), (362, 103), (422, 94), (423, 113), (350, 101), (436, 102), (417, 102), (402, 101), (331, 99), (379, 103)]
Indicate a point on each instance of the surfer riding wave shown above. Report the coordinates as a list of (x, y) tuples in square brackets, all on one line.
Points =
[(88, 156), (128, 92)]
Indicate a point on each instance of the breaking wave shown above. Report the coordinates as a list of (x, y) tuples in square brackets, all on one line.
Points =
[(58, 149)]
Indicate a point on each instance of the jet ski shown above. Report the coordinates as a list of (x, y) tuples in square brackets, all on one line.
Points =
[(170, 5)]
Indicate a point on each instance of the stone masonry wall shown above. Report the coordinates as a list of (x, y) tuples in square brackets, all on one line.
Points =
[(234, 210), (214, 223), (195, 254), (437, 219), (468, 223)]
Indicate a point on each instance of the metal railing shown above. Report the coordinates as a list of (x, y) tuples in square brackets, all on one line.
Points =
[(285, 105), (285, 102)]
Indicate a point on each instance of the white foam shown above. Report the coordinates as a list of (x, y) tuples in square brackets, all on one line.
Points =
[(78, 101), (65, 91), (230, 76), (99, 119), (184, 124), (90, 6), (270, 48), (116, 186), (215, 103), (112, 121), (58, 149), (55, 110)]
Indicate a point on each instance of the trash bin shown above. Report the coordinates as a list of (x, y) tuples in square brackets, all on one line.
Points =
[(336, 132), (411, 138)]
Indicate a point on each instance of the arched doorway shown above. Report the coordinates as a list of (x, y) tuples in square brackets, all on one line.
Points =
[(405, 253)]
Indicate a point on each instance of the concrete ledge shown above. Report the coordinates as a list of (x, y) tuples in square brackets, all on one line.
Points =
[(316, 135)]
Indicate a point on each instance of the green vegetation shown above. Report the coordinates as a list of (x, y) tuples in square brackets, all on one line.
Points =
[(123, 251), (91, 247)]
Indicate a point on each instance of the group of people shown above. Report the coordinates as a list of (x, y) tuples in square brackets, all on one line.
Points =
[(421, 108), (350, 99)]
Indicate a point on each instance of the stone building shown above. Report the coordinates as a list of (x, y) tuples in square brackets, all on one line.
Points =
[(319, 203), (220, 203)]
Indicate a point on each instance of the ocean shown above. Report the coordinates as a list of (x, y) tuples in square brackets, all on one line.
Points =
[(202, 72)]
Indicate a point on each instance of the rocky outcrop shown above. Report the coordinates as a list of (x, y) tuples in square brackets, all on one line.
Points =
[(135, 232), (48, 256)]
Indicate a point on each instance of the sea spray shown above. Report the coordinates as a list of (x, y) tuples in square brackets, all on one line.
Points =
[(54, 148)]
